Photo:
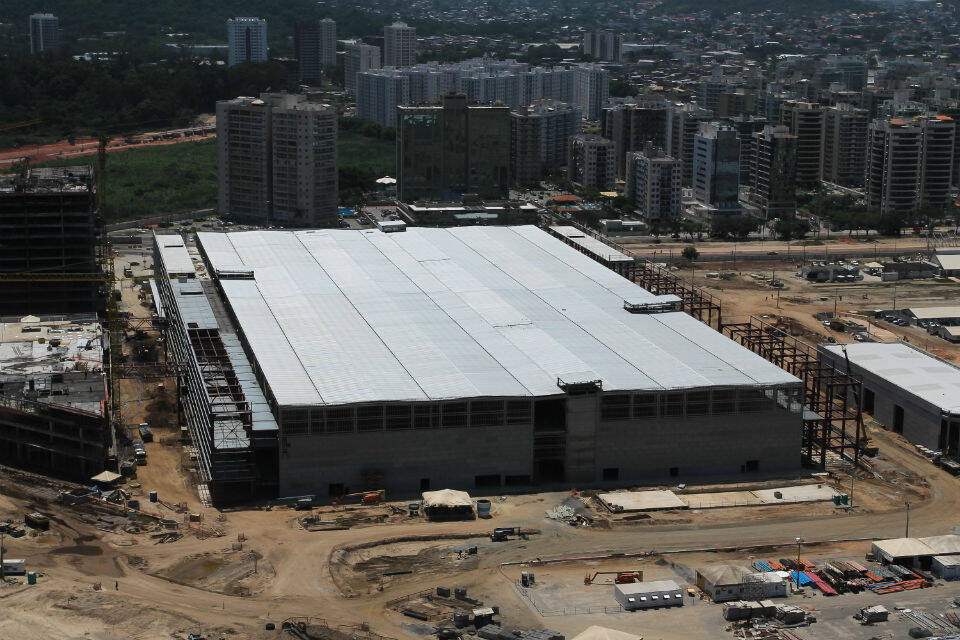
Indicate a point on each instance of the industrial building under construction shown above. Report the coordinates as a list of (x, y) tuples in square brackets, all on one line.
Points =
[(324, 361)]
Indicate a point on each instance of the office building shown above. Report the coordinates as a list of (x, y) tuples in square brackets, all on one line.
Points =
[(632, 127), (604, 45), (805, 121), (909, 163), (683, 123), (44, 32), (844, 145), (773, 188), (591, 162), (49, 224), (315, 47), (653, 185), (358, 58), (592, 84), (277, 159), (399, 45), (453, 150), (710, 88), (746, 126), (716, 167), (247, 39), (451, 342), (558, 123)]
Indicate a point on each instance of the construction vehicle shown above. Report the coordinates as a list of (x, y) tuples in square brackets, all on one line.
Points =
[(622, 577), (363, 497), (501, 534)]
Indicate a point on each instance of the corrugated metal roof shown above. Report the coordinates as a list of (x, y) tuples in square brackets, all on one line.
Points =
[(591, 244), (914, 370), (176, 258), (338, 317)]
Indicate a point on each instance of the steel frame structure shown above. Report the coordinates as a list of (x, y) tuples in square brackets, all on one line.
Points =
[(833, 421)]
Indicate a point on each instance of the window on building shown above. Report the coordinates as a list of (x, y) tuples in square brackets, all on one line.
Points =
[(698, 403), (724, 401), (897, 418), (455, 414), (486, 413), (489, 480), (869, 400), (336, 489), (424, 484), (615, 407), (645, 405), (339, 419), (398, 417), (370, 418), (671, 405), (674, 472)]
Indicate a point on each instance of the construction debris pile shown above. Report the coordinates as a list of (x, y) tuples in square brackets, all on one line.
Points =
[(845, 576)]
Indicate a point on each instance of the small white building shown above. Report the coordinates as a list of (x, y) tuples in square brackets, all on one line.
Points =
[(647, 595), (724, 583), (946, 567)]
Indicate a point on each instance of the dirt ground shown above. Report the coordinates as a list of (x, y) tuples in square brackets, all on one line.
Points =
[(103, 578), (799, 301)]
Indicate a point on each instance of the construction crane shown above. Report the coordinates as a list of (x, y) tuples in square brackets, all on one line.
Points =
[(622, 577)]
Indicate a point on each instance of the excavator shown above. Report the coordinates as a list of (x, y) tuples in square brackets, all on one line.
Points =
[(622, 577), (363, 497)]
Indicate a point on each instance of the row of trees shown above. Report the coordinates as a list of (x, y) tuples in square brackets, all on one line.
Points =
[(121, 95)]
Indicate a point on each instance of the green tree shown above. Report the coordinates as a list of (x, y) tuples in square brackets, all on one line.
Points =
[(791, 228), (621, 89), (690, 253)]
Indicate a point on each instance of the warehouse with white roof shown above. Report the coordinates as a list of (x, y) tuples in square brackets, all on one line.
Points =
[(907, 389), (482, 357)]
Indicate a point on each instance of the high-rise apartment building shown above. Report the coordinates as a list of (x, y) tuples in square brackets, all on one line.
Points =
[(379, 93), (591, 161), (805, 121), (909, 163), (716, 167), (592, 84), (653, 185), (683, 123), (774, 186), (632, 127), (711, 87), (247, 40), (315, 46), (44, 32), (526, 168), (277, 158), (358, 58), (540, 137), (399, 45), (603, 45), (448, 151), (844, 145)]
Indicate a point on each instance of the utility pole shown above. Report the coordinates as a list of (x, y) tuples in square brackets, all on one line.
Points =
[(3, 575), (906, 533), (797, 574)]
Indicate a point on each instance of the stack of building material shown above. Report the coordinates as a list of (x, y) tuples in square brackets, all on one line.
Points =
[(790, 614), (447, 504), (877, 613)]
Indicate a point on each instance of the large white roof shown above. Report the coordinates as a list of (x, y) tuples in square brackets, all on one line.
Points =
[(339, 317), (914, 370)]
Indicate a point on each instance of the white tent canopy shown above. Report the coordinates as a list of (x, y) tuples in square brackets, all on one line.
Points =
[(449, 498)]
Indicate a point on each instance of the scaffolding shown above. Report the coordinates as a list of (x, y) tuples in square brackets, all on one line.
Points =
[(657, 280), (832, 421)]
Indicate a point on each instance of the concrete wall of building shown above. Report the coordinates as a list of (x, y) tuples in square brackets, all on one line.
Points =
[(697, 446), (450, 458), (921, 421)]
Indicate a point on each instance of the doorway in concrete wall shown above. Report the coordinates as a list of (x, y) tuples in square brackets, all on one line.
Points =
[(549, 439)]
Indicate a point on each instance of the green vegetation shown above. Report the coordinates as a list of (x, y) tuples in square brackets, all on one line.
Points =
[(154, 180), (690, 253), (183, 176), (121, 96)]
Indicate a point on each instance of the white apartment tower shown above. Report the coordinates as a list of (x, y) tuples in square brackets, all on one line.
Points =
[(592, 88), (247, 38), (399, 45), (357, 58), (44, 32), (653, 185), (277, 161)]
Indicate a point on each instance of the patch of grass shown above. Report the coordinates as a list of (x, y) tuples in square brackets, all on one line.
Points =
[(157, 180), (183, 176)]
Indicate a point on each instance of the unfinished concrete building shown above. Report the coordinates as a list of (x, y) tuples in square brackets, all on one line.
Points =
[(53, 391), (471, 357), (49, 225)]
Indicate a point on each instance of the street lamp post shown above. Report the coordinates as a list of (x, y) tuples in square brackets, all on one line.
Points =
[(796, 575)]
